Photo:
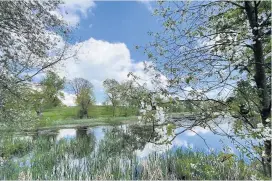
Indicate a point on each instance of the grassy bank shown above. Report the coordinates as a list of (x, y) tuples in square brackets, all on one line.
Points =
[(61, 113), (69, 123), (97, 115)]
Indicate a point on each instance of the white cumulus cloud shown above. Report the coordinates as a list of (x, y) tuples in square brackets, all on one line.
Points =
[(68, 99), (197, 130), (98, 60)]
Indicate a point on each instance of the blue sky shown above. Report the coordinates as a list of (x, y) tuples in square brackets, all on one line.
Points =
[(122, 21), (107, 33), (104, 37)]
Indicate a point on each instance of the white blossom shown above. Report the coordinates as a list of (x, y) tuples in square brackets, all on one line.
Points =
[(148, 108), (216, 113), (193, 165), (253, 177), (260, 125), (142, 104)]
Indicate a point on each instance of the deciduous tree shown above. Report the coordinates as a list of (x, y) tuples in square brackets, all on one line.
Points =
[(83, 89), (112, 89), (48, 92), (206, 49)]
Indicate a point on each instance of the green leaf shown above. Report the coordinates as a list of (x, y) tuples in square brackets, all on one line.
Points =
[(187, 80)]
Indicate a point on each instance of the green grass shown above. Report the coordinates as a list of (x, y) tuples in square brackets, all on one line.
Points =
[(97, 115), (60, 113), (69, 123)]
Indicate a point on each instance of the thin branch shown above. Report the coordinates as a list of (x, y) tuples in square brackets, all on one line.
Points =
[(236, 4)]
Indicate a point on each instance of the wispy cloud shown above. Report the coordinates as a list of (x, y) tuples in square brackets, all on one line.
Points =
[(148, 4), (72, 11)]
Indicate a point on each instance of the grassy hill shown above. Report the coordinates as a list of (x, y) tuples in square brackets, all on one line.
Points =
[(70, 113)]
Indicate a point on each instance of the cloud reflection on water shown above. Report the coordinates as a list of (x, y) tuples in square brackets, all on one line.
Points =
[(189, 139)]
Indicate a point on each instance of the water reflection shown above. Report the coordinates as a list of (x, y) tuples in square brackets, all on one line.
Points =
[(137, 139), (124, 140), (113, 140), (51, 152), (66, 133)]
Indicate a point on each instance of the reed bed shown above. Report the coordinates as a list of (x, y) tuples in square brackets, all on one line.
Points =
[(70, 159)]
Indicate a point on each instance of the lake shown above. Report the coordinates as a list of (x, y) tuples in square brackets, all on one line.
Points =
[(92, 152)]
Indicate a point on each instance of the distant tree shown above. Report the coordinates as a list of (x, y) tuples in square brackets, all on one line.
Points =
[(112, 89), (126, 90), (188, 105), (48, 92), (83, 90), (129, 93), (125, 94), (52, 84), (37, 99), (106, 102)]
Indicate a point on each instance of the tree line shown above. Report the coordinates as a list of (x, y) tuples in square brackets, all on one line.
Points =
[(49, 92)]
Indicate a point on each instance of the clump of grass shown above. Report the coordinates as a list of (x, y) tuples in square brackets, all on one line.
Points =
[(194, 165), (14, 147)]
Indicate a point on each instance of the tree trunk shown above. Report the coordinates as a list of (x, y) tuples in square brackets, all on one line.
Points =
[(39, 111), (113, 110), (260, 78)]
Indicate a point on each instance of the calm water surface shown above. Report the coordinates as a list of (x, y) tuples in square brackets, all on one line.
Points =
[(130, 134), (84, 151)]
